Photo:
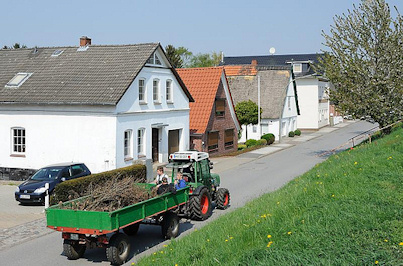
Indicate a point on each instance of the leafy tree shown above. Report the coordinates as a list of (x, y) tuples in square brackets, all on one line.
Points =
[(365, 62), (174, 56), (202, 60), (247, 113), (18, 46), (184, 54)]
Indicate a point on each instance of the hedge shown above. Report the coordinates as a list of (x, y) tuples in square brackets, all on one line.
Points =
[(82, 185), (270, 138), (250, 142), (291, 134), (297, 132), (262, 142)]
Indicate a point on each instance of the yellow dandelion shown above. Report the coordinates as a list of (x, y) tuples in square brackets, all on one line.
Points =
[(289, 233), (165, 246), (355, 163), (176, 264), (226, 240), (318, 175), (269, 244), (231, 237), (376, 262), (332, 195), (401, 244), (162, 252), (390, 158), (278, 202), (155, 253), (133, 263), (385, 240), (208, 240), (268, 236)]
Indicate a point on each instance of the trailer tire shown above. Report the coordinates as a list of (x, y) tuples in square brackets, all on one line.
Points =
[(73, 250), (222, 198), (131, 230), (118, 249), (170, 225), (200, 205)]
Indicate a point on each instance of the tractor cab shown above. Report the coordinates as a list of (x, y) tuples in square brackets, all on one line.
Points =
[(195, 167)]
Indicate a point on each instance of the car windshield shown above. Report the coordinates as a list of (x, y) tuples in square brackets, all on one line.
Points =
[(47, 173)]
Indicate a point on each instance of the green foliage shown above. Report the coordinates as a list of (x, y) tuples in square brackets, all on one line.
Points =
[(202, 60), (247, 112), (261, 142), (270, 138), (364, 62), (345, 211), (251, 142), (174, 56), (82, 186), (291, 134), (241, 147), (297, 132)]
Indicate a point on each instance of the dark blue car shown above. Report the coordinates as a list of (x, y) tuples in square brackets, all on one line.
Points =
[(33, 190)]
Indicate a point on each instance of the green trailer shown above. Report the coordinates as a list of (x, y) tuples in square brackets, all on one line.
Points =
[(81, 229)]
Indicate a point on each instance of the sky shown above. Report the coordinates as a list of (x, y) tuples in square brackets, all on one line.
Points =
[(237, 28)]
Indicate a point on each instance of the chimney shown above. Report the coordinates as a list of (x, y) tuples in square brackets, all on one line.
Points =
[(85, 41), (254, 62)]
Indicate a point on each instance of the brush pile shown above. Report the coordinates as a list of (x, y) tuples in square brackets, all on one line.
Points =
[(112, 195)]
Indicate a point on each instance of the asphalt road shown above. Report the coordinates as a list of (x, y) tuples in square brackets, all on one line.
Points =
[(249, 176)]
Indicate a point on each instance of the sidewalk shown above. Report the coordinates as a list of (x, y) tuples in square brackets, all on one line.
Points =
[(21, 223)]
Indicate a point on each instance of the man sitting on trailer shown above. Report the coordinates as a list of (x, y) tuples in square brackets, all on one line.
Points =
[(165, 187)]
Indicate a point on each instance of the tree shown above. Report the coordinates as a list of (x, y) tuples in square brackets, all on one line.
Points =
[(185, 55), (365, 62), (18, 46), (174, 56), (202, 60), (247, 113)]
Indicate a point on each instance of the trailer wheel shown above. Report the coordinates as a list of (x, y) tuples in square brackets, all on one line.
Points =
[(118, 249), (73, 250), (131, 230), (223, 198), (200, 205), (170, 225)]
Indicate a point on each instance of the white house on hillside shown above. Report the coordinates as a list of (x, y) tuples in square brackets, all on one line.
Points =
[(102, 105)]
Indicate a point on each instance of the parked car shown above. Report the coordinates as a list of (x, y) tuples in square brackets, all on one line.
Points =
[(33, 190)]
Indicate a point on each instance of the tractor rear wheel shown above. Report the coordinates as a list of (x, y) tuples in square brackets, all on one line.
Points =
[(170, 225), (200, 205), (73, 250), (223, 198), (118, 249)]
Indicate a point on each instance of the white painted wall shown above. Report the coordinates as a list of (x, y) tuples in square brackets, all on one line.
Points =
[(56, 136)]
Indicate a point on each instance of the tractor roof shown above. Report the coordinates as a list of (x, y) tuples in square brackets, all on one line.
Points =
[(189, 155)]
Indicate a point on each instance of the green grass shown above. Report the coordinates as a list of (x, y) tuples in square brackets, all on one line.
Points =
[(347, 210)]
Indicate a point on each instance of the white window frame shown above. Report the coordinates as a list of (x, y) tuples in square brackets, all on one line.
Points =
[(154, 60), (13, 82), (297, 67), (169, 90), (144, 88), (128, 144), (156, 91), (18, 141), (140, 142)]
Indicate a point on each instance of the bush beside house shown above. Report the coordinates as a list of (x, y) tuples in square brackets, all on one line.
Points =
[(270, 138)]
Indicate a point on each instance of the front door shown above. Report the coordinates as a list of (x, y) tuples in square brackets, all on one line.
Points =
[(155, 141), (173, 141)]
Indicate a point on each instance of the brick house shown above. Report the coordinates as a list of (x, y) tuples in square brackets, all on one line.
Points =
[(213, 123)]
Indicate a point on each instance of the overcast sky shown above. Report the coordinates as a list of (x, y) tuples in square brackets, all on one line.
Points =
[(232, 26)]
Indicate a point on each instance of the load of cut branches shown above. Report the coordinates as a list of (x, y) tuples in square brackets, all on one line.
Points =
[(114, 194)]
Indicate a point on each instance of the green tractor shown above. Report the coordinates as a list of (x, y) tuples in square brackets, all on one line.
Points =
[(204, 185)]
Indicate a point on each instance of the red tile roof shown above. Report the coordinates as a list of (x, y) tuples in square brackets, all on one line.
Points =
[(202, 84), (240, 70)]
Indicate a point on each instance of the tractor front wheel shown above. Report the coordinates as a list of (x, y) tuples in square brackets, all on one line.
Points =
[(200, 205), (223, 198)]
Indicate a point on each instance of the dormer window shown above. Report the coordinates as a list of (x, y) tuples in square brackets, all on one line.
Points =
[(297, 68), (18, 80), (154, 60)]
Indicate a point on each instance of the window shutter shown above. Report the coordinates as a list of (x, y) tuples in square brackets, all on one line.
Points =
[(219, 105), (229, 135), (213, 138)]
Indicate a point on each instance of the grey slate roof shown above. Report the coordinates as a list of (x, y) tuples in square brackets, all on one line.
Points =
[(98, 76), (273, 87), (270, 60)]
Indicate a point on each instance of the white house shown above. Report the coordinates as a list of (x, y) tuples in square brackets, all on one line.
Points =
[(102, 105), (277, 96), (313, 100)]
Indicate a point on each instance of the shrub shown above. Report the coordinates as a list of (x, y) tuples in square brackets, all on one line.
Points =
[(241, 147), (297, 132), (270, 138), (250, 142), (262, 142), (82, 186), (291, 134)]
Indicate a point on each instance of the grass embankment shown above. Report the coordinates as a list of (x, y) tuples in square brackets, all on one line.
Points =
[(345, 211)]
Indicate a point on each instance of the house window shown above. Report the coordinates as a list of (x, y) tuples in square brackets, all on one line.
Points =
[(297, 68), (18, 140), (140, 141), (154, 60), (220, 107), (229, 138), (18, 80), (128, 144), (169, 90), (156, 90), (212, 141), (142, 91)]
